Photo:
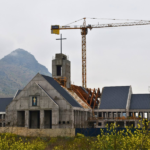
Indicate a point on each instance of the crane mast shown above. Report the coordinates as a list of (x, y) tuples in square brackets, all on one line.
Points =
[(84, 29), (83, 33)]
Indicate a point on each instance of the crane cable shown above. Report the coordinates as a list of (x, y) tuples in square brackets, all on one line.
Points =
[(73, 22), (116, 19)]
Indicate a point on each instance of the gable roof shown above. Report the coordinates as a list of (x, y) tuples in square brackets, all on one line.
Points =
[(62, 91), (140, 101), (4, 102), (114, 97)]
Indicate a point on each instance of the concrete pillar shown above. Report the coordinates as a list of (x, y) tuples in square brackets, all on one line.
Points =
[(121, 114), (116, 114), (124, 124), (42, 119), (80, 117), (81, 113), (86, 116), (136, 124), (2, 120), (103, 125), (147, 115), (27, 119), (127, 113), (138, 113), (111, 115), (102, 114), (72, 119), (106, 114), (75, 118)]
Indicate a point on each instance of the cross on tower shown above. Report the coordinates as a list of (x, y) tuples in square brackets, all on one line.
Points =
[(61, 42)]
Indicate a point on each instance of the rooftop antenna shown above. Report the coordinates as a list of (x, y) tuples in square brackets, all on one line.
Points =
[(61, 42)]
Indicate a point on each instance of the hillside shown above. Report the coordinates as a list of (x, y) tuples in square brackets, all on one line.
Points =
[(17, 69)]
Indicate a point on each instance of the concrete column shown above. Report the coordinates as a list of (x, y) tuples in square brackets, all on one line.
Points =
[(102, 114), (127, 113), (79, 120), (27, 119), (136, 124), (103, 124), (80, 117), (106, 114), (148, 116), (73, 119), (124, 124), (2, 120), (116, 114), (86, 116), (42, 119), (111, 115), (81, 113), (121, 114), (76, 118)]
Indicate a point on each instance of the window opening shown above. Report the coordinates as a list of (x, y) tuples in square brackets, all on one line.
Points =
[(59, 70)]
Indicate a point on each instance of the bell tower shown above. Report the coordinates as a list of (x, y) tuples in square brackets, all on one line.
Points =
[(61, 68)]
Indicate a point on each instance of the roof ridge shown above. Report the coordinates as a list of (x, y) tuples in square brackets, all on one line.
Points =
[(118, 86)]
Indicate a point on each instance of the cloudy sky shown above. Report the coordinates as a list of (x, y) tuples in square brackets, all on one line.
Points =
[(115, 56)]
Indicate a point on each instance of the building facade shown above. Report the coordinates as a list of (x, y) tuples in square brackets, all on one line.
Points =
[(43, 103), (52, 102), (120, 106)]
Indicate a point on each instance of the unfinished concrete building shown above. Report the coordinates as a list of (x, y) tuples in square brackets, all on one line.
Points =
[(120, 106), (52, 102), (44, 103)]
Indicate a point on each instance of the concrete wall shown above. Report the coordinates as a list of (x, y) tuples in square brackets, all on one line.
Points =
[(63, 113), (38, 132), (61, 60), (23, 102)]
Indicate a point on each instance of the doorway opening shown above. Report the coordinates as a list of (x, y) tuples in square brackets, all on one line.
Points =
[(21, 118), (48, 119), (34, 119)]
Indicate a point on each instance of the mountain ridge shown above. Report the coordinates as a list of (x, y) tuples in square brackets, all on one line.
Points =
[(17, 69)]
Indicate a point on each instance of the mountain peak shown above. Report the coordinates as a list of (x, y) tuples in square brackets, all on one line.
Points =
[(17, 69), (19, 51)]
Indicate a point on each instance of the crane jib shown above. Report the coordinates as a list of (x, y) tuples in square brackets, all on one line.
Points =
[(55, 29)]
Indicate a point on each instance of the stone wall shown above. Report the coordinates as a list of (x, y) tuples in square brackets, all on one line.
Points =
[(38, 132)]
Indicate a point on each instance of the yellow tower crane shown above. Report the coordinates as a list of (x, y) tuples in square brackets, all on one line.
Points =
[(84, 30)]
